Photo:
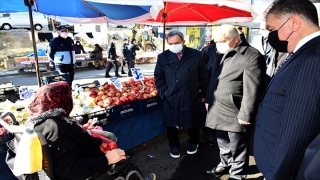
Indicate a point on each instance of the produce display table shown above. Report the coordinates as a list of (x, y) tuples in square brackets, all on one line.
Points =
[(138, 129), (145, 56)]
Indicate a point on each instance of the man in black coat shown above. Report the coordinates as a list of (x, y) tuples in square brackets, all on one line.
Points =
[(233, 97), (61, 52), (124, 52), (210, 57), (112, 59), (131, 55), (180, 74)]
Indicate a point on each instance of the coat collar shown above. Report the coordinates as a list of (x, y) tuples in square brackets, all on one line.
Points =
[(241, 47), (186, 54)]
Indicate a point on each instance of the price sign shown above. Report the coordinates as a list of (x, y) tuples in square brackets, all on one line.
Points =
[(116, 83), (137, 74), (25, 92)]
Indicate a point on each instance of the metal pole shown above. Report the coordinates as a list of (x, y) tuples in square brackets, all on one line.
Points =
[(29, 3), (164, 15)]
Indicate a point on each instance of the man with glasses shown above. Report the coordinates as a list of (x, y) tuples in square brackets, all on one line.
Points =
[(289, 118), (61, 51)]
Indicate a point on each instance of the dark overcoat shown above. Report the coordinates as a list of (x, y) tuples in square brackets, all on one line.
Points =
[(180, 84), (235, 89)]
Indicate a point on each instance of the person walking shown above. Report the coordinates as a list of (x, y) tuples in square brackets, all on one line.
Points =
[(289, 119), (98, 55), (112, 59), (133, 47), (124, 52), (61, 51), (232, 100), (180, 74)]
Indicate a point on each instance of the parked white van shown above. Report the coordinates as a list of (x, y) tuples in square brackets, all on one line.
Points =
[(21, 20)]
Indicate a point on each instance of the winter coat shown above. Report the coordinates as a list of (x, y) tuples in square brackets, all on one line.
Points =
[(235, 89), (98, 53), (179, 83)]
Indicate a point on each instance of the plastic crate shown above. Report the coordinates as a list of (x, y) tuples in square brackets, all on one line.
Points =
[(103, 116), (81, 119), (11, 97), (47, 79), (126, 110), (150, 104)]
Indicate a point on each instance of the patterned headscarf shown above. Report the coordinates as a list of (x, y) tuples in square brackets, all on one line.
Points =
[(52, 100)]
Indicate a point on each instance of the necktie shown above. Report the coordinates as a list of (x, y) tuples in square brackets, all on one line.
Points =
[(288, 57), (179, 55)]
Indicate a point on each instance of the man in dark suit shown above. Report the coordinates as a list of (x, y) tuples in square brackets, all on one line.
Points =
[(232, 99), (289, 118), (180, 74)]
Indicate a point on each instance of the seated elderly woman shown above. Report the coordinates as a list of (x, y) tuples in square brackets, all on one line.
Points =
[(75, 154)]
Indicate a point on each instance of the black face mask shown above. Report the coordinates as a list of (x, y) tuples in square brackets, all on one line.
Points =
[(278, 45)]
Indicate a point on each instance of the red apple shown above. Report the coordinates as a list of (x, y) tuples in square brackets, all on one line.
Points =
[(132, 98)]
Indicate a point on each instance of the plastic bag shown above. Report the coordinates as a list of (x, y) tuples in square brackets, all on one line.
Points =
[(28, 158), (107, 144)]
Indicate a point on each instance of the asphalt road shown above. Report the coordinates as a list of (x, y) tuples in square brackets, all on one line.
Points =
[(187, 167)]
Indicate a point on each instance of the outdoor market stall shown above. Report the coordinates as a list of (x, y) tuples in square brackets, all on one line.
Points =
[(134, 114)]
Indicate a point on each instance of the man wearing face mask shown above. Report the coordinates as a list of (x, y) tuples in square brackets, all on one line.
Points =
[(232, 100), (78, 48), (61, 51), (112, 59), (180, 74), (289, 119)]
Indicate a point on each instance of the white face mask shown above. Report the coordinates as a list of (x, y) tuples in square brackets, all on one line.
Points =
[(78, 43), (175, 48), (264, 33), (223, 47), (64, 34)]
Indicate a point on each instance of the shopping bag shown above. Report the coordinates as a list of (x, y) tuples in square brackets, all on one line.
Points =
[(28, 158), (107, 144)]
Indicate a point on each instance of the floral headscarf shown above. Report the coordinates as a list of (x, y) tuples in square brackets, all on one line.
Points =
[(52, 100)]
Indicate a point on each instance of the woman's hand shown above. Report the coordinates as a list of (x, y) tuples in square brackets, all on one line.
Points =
[(115, 156)]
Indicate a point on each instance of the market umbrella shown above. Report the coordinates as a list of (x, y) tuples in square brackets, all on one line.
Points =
[(187, 12), (88, 11)]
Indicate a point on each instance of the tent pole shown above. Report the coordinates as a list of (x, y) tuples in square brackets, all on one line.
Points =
[(164, 15), (29, 3)]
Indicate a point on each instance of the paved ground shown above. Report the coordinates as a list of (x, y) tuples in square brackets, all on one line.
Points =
[(187, 167)]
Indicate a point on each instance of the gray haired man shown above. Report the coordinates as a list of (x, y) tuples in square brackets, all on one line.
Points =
[(180, 75)]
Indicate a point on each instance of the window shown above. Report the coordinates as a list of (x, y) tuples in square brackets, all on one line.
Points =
[(98, 28), (6, 15)]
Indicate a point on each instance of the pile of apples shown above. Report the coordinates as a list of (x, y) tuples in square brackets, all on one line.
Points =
[(108, 95)]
